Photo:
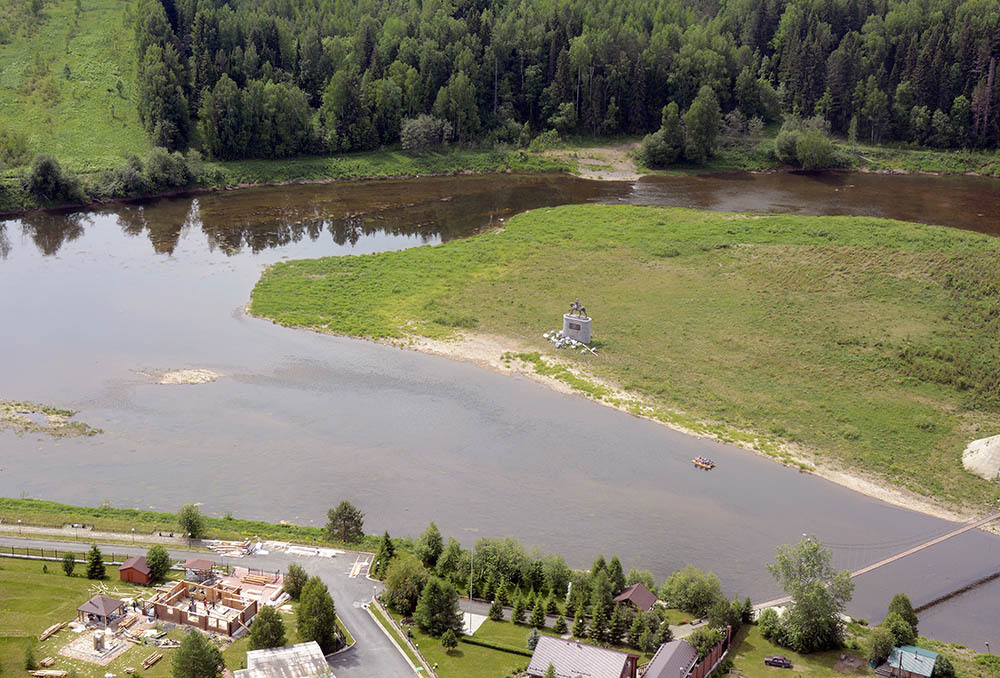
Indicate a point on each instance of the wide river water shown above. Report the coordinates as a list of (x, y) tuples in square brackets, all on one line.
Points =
[(298, 421)]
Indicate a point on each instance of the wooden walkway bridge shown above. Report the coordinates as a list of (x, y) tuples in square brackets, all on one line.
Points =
[(891, 559)]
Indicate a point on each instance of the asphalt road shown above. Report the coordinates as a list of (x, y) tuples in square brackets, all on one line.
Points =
[(373, 653)]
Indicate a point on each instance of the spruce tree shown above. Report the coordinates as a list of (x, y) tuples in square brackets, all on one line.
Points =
[(502, 594), (317, 616), (599, 625), (30, 662), (496, 610), (580, 626), (532, 639), (430, 545), (437, 610), (551, 606), (95, 563), (634, 631), (617, 576), (384, 555), (68, 564), (560, 625), (449, 641), (158, 561), (295, 580), (538, 615), (517, 616), (618, 625), (196, 657)]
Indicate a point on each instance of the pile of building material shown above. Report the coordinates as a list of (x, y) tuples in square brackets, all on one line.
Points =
[(233, 549), (48, 673), (47, 662), (982, 457), (150, 660), (51, 631)]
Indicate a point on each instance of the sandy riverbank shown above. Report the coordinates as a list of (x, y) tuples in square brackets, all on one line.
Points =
[(488, 351)]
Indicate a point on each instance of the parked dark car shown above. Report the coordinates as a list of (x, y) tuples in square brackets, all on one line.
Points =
[(778, 660)]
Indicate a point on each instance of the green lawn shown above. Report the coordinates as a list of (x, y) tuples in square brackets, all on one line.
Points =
[(750, 648), (868, 342), (467, 661)]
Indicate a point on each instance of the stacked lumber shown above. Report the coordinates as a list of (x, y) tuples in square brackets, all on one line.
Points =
[(51, 631), (48, 673), (47, 662), (130, 670), (151, 659), (129, 619), (257, 580)]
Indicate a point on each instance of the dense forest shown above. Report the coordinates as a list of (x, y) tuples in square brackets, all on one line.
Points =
[(252, 78)]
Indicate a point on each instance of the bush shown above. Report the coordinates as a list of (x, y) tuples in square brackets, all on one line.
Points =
[(167, 170), (544, 141), (47, 182), (424, 132), (814, 150), (785, 146), (13, 149), (880, 642)]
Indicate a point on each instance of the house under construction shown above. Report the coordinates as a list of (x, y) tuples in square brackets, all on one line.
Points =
[(213, 608)]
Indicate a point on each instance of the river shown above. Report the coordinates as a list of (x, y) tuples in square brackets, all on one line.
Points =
[(299, 421)]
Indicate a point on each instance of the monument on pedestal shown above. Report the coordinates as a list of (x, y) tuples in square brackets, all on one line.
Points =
[(576, 323)]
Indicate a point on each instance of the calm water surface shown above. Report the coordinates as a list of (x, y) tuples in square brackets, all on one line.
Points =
[(300, 421)]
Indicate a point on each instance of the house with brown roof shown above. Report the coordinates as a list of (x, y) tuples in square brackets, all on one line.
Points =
[(100, 609), (638, 595), (571, 659), (135, 570)]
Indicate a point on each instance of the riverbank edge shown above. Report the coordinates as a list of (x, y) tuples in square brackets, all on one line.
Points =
[(570, 159), (500, 354), (204, 190)]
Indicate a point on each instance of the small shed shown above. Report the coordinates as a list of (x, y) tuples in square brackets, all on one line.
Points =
[(639, 596), (101, 609), (909, 661), (198, 569), (135, 570)]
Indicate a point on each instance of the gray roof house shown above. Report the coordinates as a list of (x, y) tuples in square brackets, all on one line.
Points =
[(673, 659), (571, 659), (304, 660)]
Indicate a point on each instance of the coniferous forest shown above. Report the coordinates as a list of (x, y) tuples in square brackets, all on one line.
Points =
[(277, 78)]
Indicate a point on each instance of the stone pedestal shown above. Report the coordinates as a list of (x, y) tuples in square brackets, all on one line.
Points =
[(576, 327)]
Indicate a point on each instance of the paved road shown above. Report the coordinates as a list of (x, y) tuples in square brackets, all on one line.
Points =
[(373, 653)]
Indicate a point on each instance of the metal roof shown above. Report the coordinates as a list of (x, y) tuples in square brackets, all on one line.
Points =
[(915, 659), (638, 595), (304, 660), (672, 659), (571, 659), (137, 563), (102, 606)]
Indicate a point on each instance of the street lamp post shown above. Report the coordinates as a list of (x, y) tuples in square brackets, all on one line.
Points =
[(133, 535), (19, 527)]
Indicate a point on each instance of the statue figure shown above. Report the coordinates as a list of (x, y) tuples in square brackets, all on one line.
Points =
[(578, 309)]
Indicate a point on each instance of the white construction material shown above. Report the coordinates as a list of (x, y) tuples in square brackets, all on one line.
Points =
[(982, 457)]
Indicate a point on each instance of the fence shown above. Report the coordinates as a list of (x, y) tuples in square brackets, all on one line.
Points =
[(33, 553), (406, 637)]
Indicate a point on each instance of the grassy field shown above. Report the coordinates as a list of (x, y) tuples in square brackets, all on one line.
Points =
[(867, 342), (78, 115), (106, 519)]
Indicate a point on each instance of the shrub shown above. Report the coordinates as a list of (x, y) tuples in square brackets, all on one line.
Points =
[(13, 149), (424, 132), (167, 170), (880, 642), (544, 141), (47, 182), (814, 150), (785, 146)]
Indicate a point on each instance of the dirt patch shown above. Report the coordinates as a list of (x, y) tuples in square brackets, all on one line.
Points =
[(24, 417), (197, 376), (608, 163), (848, 663)]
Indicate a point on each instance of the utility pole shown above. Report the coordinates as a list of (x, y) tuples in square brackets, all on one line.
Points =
[(472, 558)]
